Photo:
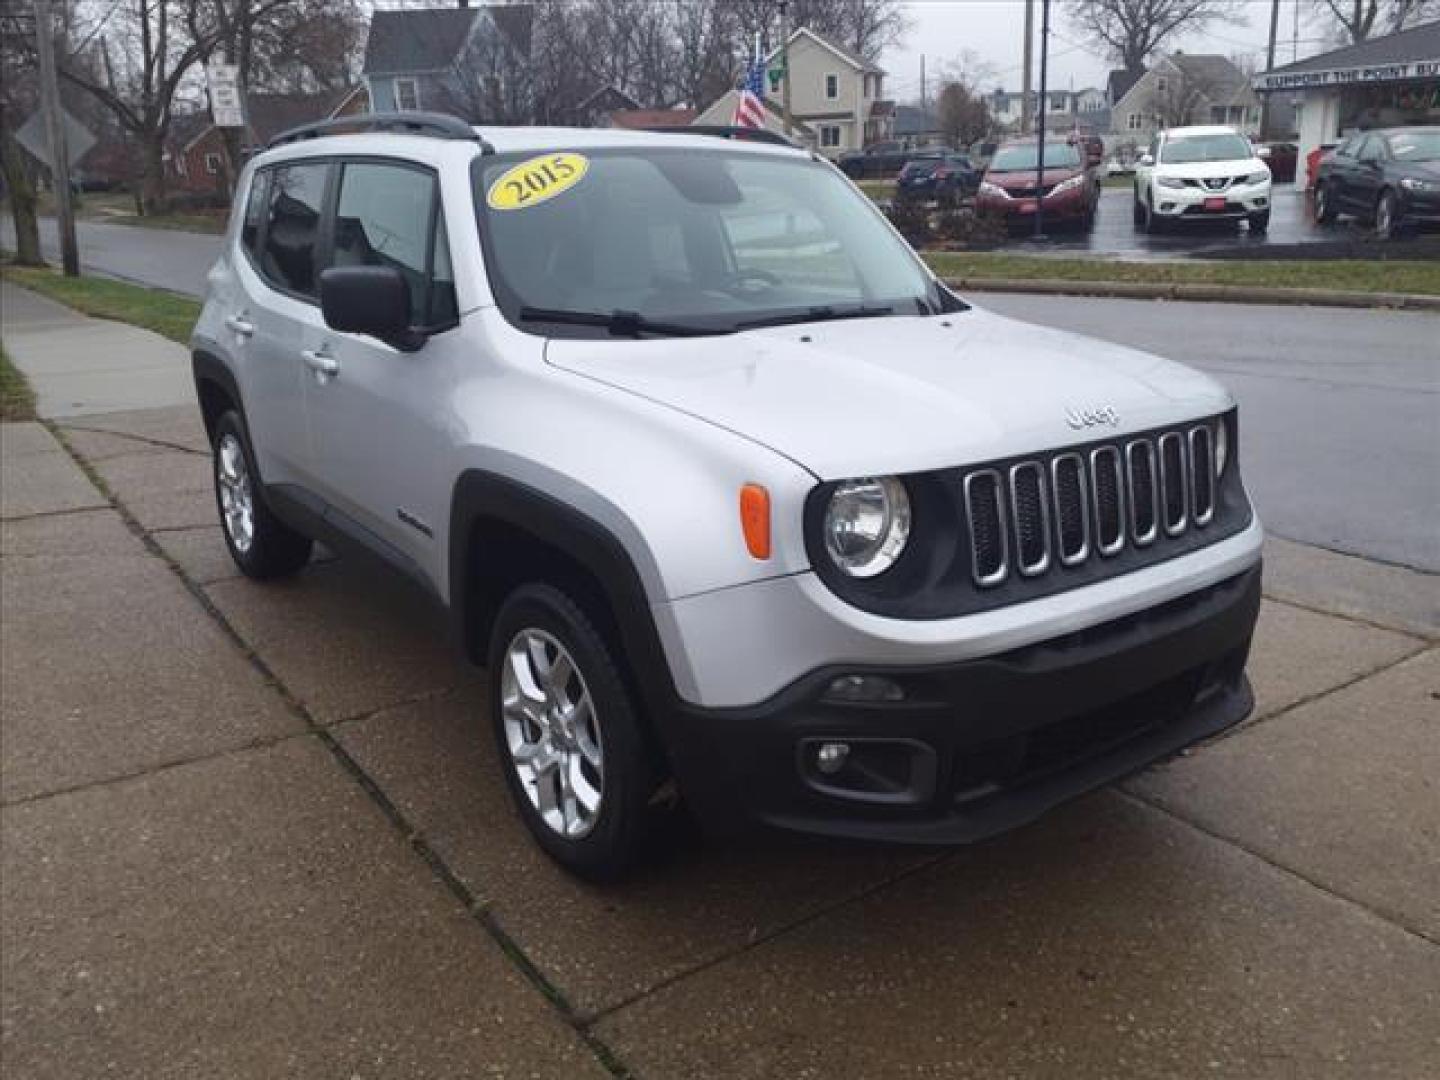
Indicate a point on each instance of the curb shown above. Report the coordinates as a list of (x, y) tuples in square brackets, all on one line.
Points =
[(1227, 294)]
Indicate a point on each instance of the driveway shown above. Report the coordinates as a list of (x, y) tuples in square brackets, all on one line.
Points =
[(260, 830)]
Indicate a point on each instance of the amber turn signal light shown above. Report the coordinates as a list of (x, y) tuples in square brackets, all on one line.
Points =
[(755, 519)]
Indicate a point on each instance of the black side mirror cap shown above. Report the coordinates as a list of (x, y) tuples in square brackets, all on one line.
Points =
[(372, 300)]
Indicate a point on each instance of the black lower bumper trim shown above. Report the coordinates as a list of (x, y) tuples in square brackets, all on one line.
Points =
[(979, 747)]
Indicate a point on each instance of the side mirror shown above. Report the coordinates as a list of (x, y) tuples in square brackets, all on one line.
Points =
[(372, 300), (1147, 160), (1262, 151)]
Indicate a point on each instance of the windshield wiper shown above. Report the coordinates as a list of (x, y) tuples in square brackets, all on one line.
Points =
[(817, 314), (619, 323)]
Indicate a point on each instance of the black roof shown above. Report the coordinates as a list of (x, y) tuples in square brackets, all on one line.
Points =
[(1418, 43), (1120, 83), (429, 39)]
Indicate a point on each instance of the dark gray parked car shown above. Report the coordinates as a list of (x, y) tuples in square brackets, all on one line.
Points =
[(1390, 177)]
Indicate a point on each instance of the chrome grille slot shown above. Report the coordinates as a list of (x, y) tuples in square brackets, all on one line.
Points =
[(1144, 496), (1031, 517), (1174, 483), (1107, 481), (1072, 523), (985, 510), (1202, 475)]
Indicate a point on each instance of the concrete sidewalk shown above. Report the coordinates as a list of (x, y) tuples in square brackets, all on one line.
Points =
[(78, 365), (254, 830)]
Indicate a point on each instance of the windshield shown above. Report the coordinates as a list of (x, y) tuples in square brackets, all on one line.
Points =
[(1416, 145), (1226, 146), (1025, 155), (712, 241)]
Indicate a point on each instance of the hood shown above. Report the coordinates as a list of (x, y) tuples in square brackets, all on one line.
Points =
[(1420, 170), (1025, 178), (1203, 170), (862, 397)]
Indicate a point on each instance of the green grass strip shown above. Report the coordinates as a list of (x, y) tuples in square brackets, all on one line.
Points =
[(17, 400), (168, 314)]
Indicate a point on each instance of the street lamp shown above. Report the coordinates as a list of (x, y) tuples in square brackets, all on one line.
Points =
[(1043, 103)]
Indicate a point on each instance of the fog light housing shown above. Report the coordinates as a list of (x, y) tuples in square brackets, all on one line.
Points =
[(864, 689), (830, 757)]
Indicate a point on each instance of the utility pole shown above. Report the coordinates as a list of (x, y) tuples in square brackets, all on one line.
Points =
[(1269, 66), (924, 99), (1040, 140), (785, 64), (1025, 78), (55, 130)]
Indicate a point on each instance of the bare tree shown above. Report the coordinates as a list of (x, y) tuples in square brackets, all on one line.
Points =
[(1357, 20), (17, 99), (1129, 32), (962, 114)]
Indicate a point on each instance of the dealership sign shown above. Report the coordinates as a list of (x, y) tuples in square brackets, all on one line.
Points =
[(1353, 76)]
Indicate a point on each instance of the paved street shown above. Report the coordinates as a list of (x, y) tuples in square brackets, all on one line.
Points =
[(259, 830)]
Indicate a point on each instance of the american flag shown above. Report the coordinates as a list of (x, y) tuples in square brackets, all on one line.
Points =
[(750, 108)]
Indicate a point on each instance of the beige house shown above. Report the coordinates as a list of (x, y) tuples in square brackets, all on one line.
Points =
[(836, 97), (1184, 89)]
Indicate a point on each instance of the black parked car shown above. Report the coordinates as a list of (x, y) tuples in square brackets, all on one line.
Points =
[(883, 159), (1390, 177), (942, 177)]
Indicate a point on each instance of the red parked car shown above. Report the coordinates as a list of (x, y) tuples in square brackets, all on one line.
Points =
[(1069, 188)]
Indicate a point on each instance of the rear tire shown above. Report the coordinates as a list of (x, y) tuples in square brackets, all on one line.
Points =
[(262, 545), (557, 697)]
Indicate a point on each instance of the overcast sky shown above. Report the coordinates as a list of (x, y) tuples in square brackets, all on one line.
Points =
[(992, 30)]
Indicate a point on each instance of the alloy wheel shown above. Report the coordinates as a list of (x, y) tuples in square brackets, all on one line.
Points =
[(552, 733), (1385, 217), (237, 499)]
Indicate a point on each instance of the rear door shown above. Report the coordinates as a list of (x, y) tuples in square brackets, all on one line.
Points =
[(276, 314), (377, 415)]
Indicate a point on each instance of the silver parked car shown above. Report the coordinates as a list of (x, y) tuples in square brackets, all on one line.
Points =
[(720, 483)]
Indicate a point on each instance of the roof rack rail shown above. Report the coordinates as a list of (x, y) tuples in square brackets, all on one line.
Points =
[(435, 125), (722, 131)]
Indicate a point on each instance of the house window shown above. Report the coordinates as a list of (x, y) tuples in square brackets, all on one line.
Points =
[(1134, 121), (829, 136), (832, 87), (407, 95), (1057, 103), (212, 164)]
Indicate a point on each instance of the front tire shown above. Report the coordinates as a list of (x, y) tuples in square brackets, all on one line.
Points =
[(569, 735), (1325, 208), (262, 545), (1387, 227), (1260, 223)]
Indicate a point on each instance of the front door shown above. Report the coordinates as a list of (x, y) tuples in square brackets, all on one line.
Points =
[(377, 414)]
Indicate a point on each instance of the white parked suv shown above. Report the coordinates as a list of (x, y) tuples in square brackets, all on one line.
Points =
[(729, 494), (1201, 174)]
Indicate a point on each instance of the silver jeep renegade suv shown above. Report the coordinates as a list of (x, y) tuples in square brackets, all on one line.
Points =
[(718, 481)]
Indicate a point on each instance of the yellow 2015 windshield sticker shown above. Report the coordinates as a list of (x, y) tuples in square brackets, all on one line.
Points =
[(536, 181)]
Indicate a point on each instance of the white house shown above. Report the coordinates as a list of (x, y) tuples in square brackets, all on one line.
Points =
[(1182, 89), (836, 96)]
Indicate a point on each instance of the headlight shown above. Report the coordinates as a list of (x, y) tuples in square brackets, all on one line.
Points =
[(987, 188), (1222, 446), (1067, 185), (1170, 181), (867, 525), (1410, 183), (1257, 178)]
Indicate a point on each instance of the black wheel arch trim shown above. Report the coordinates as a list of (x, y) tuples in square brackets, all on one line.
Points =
[(481, 496), (209, 368)]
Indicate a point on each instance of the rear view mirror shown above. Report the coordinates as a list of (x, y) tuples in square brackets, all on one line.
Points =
[(372, 300)]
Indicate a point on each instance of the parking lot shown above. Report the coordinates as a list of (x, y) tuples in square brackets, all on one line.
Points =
[(260, 830)]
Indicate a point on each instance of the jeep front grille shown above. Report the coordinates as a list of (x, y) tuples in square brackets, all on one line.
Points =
[(1065, 509)]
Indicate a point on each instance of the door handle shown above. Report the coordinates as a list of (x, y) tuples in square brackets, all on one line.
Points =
[(321, 362), (241, 325)]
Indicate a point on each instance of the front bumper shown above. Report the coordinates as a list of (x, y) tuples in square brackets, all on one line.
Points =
[(979, 746), (1072, 205), (1200, 204)]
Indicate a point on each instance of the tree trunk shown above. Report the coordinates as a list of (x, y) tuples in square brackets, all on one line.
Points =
[(152, 173), (22, 202)]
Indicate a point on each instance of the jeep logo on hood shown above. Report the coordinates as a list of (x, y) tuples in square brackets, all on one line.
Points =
[(1093, 416)]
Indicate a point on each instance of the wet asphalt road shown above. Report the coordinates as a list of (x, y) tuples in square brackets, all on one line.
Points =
[(1340, 409)]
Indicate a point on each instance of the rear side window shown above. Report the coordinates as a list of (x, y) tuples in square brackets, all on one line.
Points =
[(292, 229), (387, 215)]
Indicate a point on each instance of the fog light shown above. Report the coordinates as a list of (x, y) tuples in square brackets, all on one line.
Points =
[(864, 688), (830, 758)]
